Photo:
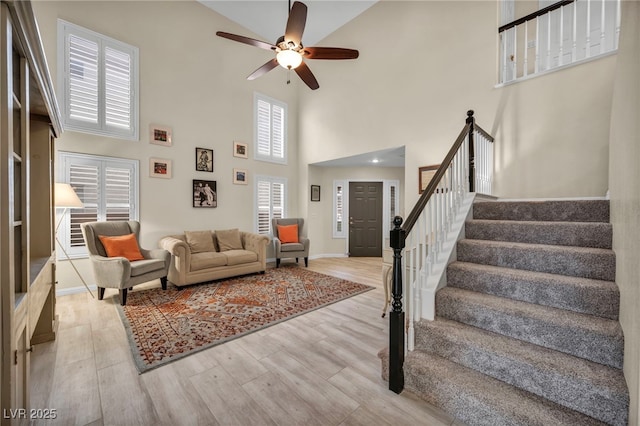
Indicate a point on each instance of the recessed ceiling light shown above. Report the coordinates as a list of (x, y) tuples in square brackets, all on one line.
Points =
[(375, 160)]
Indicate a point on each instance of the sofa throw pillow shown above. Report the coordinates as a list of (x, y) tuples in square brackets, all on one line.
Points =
[(229, 239), (122, 246), (199, 241), (288, 233)]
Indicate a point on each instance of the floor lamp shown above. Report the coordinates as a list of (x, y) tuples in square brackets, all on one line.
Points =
[(66, 198)]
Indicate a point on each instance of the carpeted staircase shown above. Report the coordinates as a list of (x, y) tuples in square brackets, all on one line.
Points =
[(526, 331)]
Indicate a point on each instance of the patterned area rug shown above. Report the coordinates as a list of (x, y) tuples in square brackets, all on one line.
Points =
[(164, 326)]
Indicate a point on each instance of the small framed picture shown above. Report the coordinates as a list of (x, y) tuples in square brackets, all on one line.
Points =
[(204, 160), (240, 176), (240, 149), (160, 168), (205, 193), (160, 135), (424, 176), (315, 192)]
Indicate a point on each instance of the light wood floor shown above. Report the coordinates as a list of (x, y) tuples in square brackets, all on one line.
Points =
[(317, 369)]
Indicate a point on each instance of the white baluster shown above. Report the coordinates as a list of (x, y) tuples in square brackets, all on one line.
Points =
[(514, 64), (574, 43), (536, 65), (525, 71), (602, 32), (587, 45), (618, 12), (548, 40), (503, 45), (561, 41)]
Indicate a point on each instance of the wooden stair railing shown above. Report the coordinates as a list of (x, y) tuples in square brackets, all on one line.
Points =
[(458, 174)]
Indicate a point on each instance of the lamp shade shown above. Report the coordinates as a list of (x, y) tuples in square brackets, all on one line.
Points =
[(66, 197), (289, 59)]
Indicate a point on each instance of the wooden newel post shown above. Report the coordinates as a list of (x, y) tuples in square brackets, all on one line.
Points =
[(396, 318), (472, 156)]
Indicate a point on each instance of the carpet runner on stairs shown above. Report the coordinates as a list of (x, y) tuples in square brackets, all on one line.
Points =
[(526, 331)]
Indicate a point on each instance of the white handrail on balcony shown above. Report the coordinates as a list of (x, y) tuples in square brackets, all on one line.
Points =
[(565, 33)]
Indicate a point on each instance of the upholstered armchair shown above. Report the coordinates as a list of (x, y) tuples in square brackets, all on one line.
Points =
[(290, 239), (118, 260)]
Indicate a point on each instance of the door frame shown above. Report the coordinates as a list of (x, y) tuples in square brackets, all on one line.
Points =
[(386, 207)]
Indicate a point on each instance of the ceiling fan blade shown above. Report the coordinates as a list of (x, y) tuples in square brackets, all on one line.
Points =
[(295, 23), (246, 40), (307, 76), (329, 53), (263, 69)]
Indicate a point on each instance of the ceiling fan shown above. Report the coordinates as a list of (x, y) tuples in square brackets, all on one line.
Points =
[(290, 53)]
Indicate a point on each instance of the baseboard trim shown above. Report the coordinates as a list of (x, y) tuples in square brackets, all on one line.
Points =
[(74, 290), (321, 256)]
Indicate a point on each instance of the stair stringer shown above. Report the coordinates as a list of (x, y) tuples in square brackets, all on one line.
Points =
[(438, 276)]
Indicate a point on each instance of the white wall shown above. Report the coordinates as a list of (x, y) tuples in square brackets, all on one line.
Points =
[(624, 176), (421, 66), (193, 81)]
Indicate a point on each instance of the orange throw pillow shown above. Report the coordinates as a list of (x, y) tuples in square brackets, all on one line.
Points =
[(122, 246), (288, 233)]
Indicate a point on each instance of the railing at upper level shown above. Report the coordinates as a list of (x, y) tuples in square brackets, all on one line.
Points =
[(564, 33), (427, 232)]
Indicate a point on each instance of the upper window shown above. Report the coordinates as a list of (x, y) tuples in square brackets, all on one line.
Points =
[(270, 134), (98, 83), (108, 188)]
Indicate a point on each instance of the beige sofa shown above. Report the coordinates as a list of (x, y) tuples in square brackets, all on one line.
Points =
[(200, 256)]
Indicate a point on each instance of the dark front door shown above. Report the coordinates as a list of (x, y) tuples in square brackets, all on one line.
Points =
[(365, 219)]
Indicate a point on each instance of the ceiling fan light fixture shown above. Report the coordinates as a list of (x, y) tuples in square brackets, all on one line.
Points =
[(289, 59)]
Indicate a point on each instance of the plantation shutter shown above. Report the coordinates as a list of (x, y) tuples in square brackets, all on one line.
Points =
[(82, 102), (106, 186), (84, 179), (264, 128), (277, 136), (118, 194), (277, 200), (270, 202), (98, 80), (264, 207), (339, 209), (117, 88), (270, 132)]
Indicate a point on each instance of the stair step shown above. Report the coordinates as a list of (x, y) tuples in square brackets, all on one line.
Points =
[(580, 234), (585, 336), (563, 211), (478, 399), (587, 296), (585, 386), (594, 263)]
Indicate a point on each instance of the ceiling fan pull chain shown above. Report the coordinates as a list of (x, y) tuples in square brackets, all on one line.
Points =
[(289, 75)]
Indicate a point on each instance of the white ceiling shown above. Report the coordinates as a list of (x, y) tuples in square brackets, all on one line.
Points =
[(268, 19), (392, 157)]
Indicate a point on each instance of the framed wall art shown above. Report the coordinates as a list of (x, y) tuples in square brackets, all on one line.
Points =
[(425, 174), (160, 135), (204, 160), (240, 149), (160, 168), (205, 193), (240, 177), (315, 192)]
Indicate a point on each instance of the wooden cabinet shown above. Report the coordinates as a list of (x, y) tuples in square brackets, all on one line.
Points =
[(29, 122)]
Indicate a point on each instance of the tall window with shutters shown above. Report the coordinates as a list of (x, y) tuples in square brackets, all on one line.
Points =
[(98, 83), (270, 133), (271, 193), (108, 188)]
